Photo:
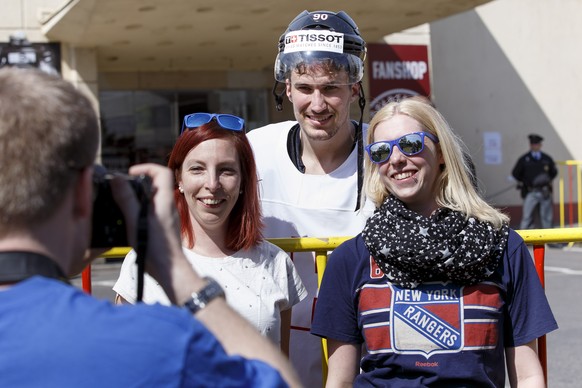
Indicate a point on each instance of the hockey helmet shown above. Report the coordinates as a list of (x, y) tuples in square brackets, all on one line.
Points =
[(321, 36)]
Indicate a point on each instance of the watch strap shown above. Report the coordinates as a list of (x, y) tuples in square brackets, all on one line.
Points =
[(203, 297)]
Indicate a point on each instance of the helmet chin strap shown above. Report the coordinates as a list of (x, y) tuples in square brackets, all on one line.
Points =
[(278, 97), (360, 145)]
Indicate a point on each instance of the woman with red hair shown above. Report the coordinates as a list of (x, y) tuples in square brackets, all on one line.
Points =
[(218, 202)]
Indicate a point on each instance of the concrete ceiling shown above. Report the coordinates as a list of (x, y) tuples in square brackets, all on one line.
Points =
[(193, 35)]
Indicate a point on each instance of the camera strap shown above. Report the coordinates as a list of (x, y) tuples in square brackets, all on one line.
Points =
[(142, 243), (17, 266)]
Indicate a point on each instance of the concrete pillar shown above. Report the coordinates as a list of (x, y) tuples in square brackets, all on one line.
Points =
[(79, 66)]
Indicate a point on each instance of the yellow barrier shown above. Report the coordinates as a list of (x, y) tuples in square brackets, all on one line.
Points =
[(323, 246), (548, 236)]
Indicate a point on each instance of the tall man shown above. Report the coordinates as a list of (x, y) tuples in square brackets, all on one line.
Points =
[(310, 169), (51, 333), (535, 171)]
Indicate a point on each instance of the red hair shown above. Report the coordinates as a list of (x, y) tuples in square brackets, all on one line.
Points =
[(244, 224)]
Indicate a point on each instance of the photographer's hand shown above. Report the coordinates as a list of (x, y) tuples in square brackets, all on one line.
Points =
[(165, 260)]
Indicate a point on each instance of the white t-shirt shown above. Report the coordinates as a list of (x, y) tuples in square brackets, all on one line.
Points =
[(303, 205), (258, 283)]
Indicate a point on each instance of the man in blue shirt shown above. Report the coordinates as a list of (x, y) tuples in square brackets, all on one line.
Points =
[(52, 334)]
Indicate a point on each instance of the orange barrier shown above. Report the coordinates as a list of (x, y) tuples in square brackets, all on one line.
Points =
[(539, 253), (323, 246)]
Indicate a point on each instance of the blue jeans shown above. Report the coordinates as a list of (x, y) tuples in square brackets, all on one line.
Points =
[(531, 202)]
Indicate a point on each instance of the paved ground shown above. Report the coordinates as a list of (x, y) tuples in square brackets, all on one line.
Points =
[(103, 276), (563, 279)]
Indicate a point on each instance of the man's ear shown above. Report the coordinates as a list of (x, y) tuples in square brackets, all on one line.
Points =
[(83, 191), (355, 89), (288, 90)]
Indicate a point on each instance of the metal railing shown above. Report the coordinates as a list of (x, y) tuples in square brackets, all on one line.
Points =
[(323, 246)]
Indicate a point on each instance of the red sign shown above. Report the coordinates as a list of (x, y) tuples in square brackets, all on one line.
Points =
[(396, 72)]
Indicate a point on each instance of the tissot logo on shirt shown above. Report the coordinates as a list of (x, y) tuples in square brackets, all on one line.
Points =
[(314, 40)]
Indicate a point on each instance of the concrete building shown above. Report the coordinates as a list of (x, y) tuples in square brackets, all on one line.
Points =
[(500, 69), (504, 70)]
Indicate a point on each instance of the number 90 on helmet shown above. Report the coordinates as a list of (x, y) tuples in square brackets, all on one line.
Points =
[(325, 38)]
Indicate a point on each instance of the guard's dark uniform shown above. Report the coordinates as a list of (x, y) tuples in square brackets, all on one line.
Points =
[(535, 177)]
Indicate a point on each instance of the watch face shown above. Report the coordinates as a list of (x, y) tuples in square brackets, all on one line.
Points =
[(201, 298)]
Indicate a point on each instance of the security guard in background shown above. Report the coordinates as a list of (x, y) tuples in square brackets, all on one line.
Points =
[(535, 171)]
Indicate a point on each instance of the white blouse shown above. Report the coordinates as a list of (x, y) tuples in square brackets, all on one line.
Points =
[(259, 283)]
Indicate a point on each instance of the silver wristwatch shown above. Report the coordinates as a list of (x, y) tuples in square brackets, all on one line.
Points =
[(201, 298)]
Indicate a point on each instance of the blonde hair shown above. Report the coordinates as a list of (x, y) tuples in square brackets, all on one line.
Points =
[(455, 187)]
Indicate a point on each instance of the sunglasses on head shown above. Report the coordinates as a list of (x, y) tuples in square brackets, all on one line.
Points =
[(410, 144), (229, 122)]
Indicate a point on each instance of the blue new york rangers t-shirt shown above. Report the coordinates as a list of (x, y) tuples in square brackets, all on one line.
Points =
[(439, 333)]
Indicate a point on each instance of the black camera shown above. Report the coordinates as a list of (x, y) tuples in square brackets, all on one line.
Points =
[(109, 229)]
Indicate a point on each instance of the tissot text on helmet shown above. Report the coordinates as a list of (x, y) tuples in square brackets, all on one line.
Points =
[(314, 40), (399, 69)]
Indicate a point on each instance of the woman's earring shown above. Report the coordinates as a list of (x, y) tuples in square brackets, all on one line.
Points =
[(180, 189), (240, 192)]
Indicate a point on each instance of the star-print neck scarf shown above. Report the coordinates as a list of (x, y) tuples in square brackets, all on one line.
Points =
[(411, 249)]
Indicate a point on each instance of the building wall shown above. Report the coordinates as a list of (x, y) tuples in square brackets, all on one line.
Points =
[(511, 67), (78, 64), (25, 16)]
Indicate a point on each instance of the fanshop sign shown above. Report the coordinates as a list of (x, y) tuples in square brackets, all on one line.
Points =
[(396, 72)]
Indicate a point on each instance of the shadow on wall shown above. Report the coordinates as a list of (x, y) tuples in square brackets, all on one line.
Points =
[(478, 90)]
